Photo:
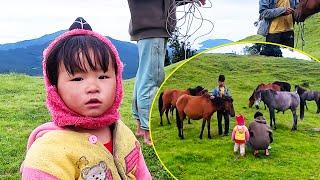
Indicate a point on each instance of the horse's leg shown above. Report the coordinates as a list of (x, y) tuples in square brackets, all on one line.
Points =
[(208, 126), (302, 103), (178, 115), (161, 113), (181, 125), (270, 113), (167, 111), (171, 110), (295, 119), (305, 103), (202, 128), (189, 121), (318, 106), (274, 119)]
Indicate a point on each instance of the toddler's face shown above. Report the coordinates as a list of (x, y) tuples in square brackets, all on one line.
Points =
[(88, 93)]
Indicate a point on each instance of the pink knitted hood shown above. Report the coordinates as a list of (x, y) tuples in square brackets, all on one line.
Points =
[(60, 113)]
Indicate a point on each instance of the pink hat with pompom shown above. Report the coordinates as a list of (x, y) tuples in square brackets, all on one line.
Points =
[(61, 114), (240, 119)]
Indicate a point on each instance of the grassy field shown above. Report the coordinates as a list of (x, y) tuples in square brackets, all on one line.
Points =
[(22, 109), (311, 36), (294, 155)]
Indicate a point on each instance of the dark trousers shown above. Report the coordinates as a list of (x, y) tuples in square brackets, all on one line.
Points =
[(284, 38), (226, 122)]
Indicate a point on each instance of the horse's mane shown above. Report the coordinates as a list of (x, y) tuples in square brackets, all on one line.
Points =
[(194, 91), (259, 86), (218, 101), (300, 90), (227, 98)]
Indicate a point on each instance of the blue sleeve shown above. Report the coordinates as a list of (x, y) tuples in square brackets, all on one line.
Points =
[(215, 92), (266, 11)]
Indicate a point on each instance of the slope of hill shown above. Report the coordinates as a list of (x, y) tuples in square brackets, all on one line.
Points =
[(26, 56), (311, 36), (293, 154)]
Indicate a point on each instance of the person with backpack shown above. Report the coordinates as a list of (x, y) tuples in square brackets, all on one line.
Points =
[(240, 135)]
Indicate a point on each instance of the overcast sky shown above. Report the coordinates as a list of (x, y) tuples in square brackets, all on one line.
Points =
[(22, 20)]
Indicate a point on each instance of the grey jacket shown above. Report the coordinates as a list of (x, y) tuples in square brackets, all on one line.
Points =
[(149, 18), (260, 134), (268, 11)]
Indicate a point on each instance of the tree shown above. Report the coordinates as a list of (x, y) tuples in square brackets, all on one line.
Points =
[(180, 50)]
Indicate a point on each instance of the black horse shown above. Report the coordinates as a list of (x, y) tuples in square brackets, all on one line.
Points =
[(279, 100), (306, 95), (283, 85)]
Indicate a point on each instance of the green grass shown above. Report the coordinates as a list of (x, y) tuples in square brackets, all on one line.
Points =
[(22, 108), (294, 155), (312, 40)]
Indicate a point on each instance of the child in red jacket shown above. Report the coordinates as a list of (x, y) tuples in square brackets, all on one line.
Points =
[(240, 135)]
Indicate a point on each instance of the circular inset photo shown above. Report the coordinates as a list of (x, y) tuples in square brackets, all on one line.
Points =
[(230, 113)]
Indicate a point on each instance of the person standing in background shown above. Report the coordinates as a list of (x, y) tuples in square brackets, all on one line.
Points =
[(276, 17), (151, 25), (221, 91)]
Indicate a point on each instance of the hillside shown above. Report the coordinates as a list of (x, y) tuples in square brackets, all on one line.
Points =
[(311, 36), (294, 155)]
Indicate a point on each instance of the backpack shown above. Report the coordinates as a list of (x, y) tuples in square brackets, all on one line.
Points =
[(240, 134)]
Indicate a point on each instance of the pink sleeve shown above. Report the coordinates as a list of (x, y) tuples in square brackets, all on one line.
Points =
[(233, 134), (142, 171), (30, 173)]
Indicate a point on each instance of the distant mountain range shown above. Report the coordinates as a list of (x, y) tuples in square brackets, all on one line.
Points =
[(26, 56), (212, 43)]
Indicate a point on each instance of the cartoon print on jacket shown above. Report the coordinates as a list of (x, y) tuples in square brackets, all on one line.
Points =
[(96, 172)]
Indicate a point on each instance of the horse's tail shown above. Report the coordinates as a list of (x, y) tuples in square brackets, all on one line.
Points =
[(160, 104)]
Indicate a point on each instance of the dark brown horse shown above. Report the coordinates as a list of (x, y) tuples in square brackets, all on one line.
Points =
[(263, 86), (168, 98), (201, 107), (305, 9), (306, 95)]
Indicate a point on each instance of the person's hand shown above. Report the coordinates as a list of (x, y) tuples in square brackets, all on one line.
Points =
[(289, 11), (203, 2)]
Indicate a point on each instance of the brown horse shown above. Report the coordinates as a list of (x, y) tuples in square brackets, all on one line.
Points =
[(263, 86), (168, 98), (305, 9), (201, 107)]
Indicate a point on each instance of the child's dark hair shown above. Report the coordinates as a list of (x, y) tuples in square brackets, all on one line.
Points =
[(257, 114), (69, 51)]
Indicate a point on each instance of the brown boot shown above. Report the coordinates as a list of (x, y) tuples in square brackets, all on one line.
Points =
[(139, 131)]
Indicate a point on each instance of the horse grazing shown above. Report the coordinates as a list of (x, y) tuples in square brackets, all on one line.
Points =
[(278, 100), (263, 86), (168, 98), (201, 107), (305, 9), (306, 95)]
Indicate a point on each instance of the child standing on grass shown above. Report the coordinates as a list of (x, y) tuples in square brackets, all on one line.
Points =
[(83, 79), (240, 135)]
